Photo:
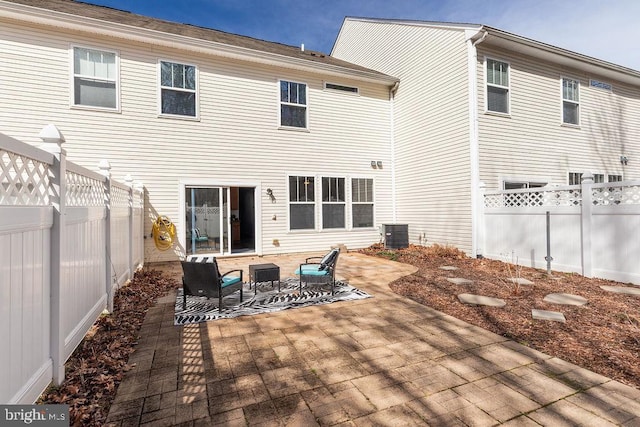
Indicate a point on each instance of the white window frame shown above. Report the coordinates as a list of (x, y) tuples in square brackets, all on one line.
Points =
[(563, 100), (526, 182), (346, 92), (315, 202), (353, 203), (323, 203), (196, 91), (72, 79), (487, 85), (606, 177), (281, 103)]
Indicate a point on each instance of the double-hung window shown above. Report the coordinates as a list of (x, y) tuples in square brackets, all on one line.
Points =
[(570, 101), (178, 89), (362, 202), (95, 78), (333, 202), (575, 178), (293, 104), (302, 203), (497, 86)]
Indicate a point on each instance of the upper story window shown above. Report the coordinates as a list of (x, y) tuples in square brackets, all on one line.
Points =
[(570, 101), (497, 86), (362, 202), (95, 78), (302, 203), (178, 89), (293, 104)]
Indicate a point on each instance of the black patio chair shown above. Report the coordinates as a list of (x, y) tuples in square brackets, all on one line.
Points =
[(202, 278), (321, 272)]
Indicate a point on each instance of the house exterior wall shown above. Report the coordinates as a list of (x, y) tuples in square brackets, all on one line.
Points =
[(431, 122), (236, 139), (531, 143)]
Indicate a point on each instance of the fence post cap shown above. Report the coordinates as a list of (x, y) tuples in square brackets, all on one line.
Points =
[(51, 134), (128, 179), (104, 164), (587, 178)]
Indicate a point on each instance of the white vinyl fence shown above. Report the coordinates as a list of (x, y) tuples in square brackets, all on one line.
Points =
[(594, 228), (69, 237)]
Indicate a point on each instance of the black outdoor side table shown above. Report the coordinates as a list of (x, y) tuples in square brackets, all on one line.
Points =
[(264, 273)]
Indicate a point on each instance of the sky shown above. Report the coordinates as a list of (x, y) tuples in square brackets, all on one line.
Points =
[(604, 29)]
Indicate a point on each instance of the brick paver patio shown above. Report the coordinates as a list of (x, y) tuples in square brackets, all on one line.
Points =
[(381, 361)]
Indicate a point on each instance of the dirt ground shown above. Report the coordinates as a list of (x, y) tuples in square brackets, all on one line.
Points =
[(603, 335)]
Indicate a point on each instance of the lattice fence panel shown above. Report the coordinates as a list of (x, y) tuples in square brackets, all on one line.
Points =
[(562, 198), (628, 195), (119, 197), (83, 190), (534, 198), (23, 181)]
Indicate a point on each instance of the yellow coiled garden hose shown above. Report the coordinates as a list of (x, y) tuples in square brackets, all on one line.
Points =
[(164, 232)]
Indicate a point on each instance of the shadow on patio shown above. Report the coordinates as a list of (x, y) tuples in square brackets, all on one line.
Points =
[(380, 361)]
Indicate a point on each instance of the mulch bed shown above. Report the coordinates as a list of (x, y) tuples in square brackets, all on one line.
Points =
[(97, 366), (602, 336)]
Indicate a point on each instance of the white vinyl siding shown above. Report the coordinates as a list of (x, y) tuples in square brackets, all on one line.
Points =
[(178, 89), (498, 92), (431, 123), (533, 144), (235, 141), (95, 78), (570, 101)]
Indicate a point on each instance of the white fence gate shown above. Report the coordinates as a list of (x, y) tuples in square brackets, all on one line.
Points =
[(68, 238), (594, 228)]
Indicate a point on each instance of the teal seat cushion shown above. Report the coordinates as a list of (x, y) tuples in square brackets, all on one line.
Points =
[(312, 270), (228, 281)]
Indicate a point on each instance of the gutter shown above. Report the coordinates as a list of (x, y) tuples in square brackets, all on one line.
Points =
[(23, 13), (474, 38), (392, 131)]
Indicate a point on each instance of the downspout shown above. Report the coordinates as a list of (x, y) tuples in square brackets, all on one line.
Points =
[(474, 144), (392, 96)]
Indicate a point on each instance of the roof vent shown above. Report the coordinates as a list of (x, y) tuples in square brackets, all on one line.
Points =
[(302, 47)]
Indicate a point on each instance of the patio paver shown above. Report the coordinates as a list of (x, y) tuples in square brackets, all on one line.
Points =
[(380, 361)]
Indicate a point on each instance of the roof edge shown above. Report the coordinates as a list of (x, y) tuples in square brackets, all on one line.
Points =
[(555, 50), (36, 15)]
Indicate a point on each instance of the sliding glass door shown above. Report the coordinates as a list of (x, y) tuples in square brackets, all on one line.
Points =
[(208, 220)]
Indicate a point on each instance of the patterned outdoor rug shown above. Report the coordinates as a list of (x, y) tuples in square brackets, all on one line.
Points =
[(267, 300)]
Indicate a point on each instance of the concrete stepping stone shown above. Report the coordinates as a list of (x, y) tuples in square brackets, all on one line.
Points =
[(460, 281), (554, 316), (622, 290), (565, 299), (520, 281), (448, 267), (481, 300)]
